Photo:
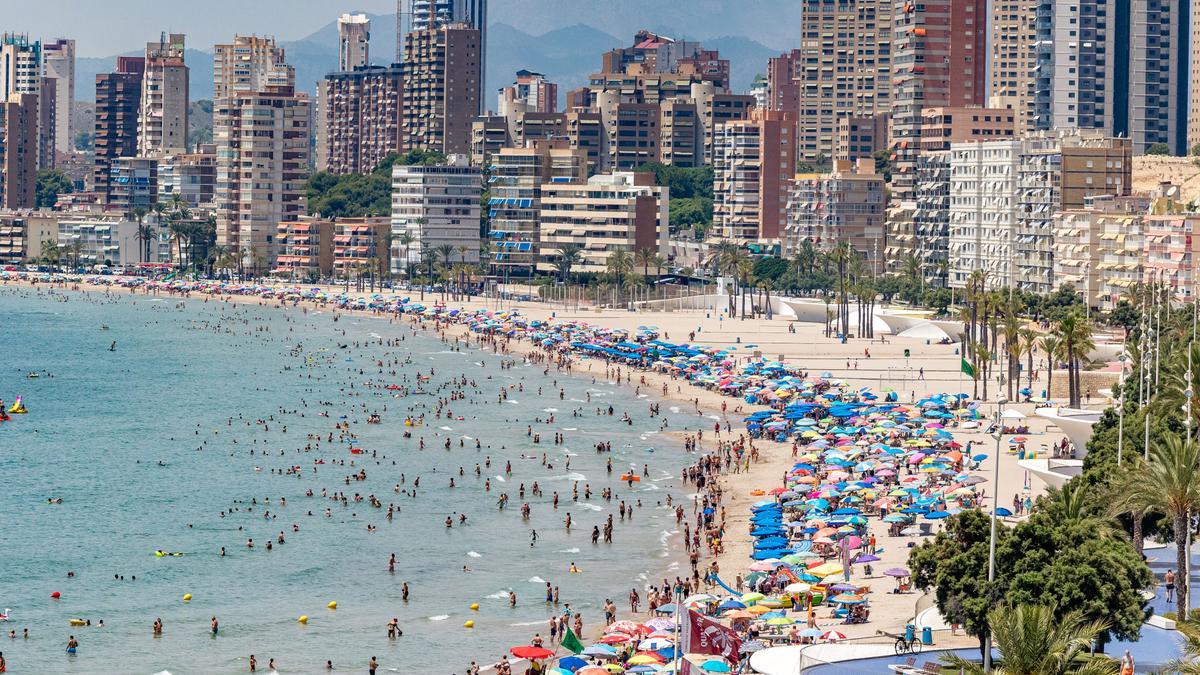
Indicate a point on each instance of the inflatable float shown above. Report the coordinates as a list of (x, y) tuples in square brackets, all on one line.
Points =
[(18, 407)]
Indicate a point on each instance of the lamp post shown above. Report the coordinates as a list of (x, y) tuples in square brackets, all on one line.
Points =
[(1121, 406), (987, 652)]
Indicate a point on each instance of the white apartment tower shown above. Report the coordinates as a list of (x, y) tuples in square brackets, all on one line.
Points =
[(436, 206), (249, 64)]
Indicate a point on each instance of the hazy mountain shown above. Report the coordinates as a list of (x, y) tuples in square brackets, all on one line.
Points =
[(546, 42)]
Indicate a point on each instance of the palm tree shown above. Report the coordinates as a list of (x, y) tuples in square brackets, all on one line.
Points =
[(1012, 347), (1033, 640), (645, 257), (568, 256), (1181, 381), (1188, 662), (619, 264), (1052, 347), (1029, 343), (144, 233), (428, 258), (406, 239), (841, 256), (1169, 483), (1075, 334), (51, 251)]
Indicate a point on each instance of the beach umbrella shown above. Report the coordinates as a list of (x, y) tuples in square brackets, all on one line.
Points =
[(624, 626), (601, 651), (1003, 512), (615, 638), (937, 515), (798, 587), (866, 558), (848, 599), (730, 604), (715, 666), (593, 670), (898, 572), (811, 632), (832, 635), (655, 644), (751, 598), (826, 569), (531, 652), (780, 621), (643, 659), (571, 663)]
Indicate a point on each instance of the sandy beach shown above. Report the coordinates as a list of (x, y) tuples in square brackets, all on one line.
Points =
[(881, 365)]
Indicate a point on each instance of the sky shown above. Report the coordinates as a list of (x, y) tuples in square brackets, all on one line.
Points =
[(107, 27)]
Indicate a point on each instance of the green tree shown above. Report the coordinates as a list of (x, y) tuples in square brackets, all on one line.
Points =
[(620, 264), (1040, 640), (955, 564), (1169, 483), (568, 256), (50, 184), (1158, 149)]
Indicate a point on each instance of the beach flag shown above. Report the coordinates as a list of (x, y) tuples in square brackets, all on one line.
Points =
[(967, 368), (571, 642)]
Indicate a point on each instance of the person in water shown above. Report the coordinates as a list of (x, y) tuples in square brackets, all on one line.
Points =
[(72, 645)]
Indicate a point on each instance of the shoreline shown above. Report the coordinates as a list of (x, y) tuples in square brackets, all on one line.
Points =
[(892, 611)]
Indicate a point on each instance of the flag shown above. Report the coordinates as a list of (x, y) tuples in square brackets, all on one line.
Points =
[(571, 642), (702, 635), (967, 368)]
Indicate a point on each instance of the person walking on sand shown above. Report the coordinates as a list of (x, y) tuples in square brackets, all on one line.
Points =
[(1127, 664)]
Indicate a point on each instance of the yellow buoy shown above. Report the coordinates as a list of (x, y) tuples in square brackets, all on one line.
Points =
[(187, 597), (475, 606), (469, 624), (303, 618), (332, 604)]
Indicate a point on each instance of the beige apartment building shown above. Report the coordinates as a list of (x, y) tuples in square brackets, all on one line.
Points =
[(517, 178), (622, 211), (18, 151), (1013, 68), (1098, 248), (262, 166), (753, 164), (359, 118), (250, 63), (360, 247), (847, 206), (843, 67), (305, 248), (441, 88), (23, 232), (163, 119)]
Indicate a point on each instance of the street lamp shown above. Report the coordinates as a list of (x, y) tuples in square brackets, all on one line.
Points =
[(1121, 406), (987, 652)]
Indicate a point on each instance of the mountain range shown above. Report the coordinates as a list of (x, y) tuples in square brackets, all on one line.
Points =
[(565, 54)]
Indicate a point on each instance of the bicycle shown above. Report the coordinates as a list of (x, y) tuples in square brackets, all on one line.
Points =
[(905, 645)]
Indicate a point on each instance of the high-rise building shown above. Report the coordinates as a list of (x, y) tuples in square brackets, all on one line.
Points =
[(118, 104), (753, 161), (47, 121), (843, 67), (517, 176), (20, 65), (441, 88), (249, 64), (358, 118), (436, 206), (422, 15), (1013, 58), (58, 62), (530, 92), (354, 41), (1004, 194), (306, 248), (262, 141), (621, 211), (1120, 66), (18, 151), (857, 137), (163, 120)]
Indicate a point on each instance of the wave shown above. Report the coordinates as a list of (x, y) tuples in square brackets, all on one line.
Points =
[(528, 623), (501, 479), (536, 580), (550, 410), (473, 554), (439, 617), (498, 595), (591, 507), (569, 550), (573, 476), (445, 428)]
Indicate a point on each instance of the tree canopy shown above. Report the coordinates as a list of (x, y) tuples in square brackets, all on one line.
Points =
[(362, 195), (50, 184)]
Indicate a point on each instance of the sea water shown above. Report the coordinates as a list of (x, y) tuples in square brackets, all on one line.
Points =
[(138, 443)]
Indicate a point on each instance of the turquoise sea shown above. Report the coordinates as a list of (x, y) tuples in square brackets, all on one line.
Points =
[(148, 444)]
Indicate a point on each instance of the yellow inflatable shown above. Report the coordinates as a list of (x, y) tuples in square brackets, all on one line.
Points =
[(469, 624), (332, 604), (474, 606), (18, 408), (187, 597), (77, 622), (303, 619)]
